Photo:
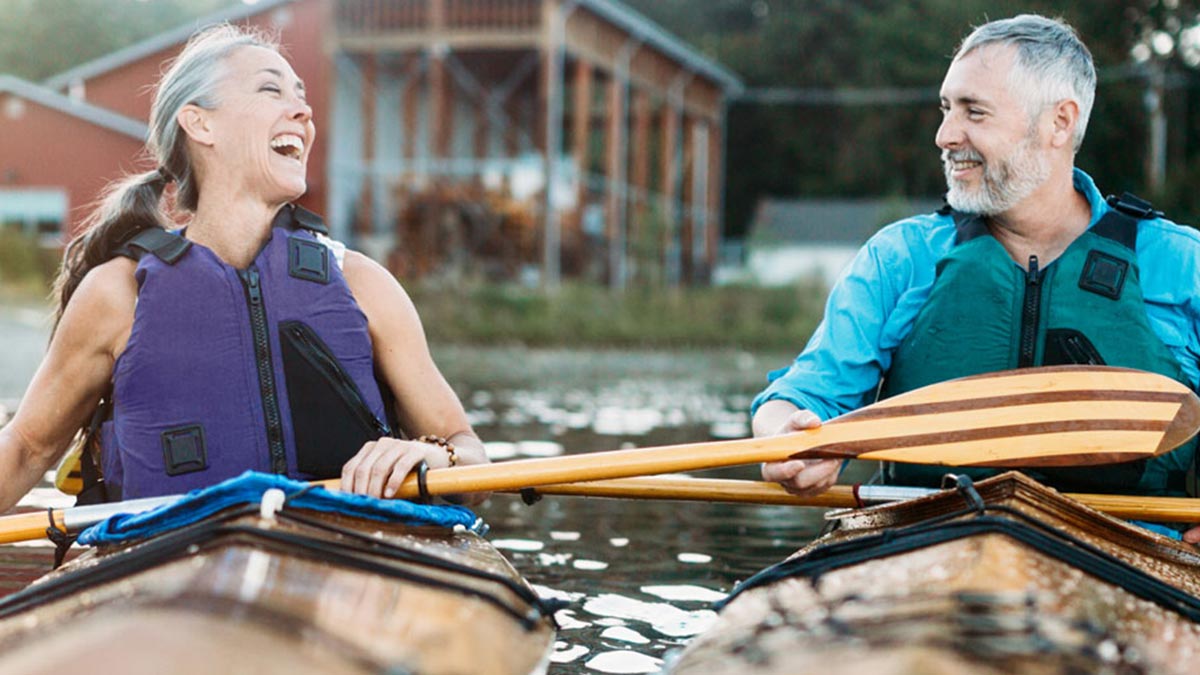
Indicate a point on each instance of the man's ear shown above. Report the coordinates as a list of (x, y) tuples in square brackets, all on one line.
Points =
[(195, 122), (1065, 118)]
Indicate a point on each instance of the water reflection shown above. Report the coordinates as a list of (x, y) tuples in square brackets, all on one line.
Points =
[(641, 576)]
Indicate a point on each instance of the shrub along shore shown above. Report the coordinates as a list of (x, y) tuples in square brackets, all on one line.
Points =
[(574, 315)]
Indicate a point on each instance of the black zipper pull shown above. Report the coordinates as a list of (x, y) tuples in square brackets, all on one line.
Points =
[(1027, 354), (252, 285)]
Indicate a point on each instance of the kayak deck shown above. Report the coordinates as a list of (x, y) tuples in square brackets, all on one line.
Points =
[(283, 596), (994, 601)]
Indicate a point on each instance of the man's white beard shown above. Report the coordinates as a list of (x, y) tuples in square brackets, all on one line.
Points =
[(1006, 181)]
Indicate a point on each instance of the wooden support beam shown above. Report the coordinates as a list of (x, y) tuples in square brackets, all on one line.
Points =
[(614, 143), (639, 172), (581, 121), (412, 106), (546, 71), (516, 120), (437, 16), (441, 117), (687, 224), (669, 182), (363, 223), (482, 139), (716, 179)]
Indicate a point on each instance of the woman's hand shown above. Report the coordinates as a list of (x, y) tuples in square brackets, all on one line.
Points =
[(381, 466), (803, 477)]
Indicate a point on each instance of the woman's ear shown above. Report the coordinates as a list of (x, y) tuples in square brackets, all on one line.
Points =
[(195, 122)]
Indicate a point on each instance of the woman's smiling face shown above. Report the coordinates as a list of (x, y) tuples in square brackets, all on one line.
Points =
[(261, 131)]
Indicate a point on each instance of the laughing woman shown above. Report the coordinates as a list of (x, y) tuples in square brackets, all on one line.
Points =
[(246, 340)]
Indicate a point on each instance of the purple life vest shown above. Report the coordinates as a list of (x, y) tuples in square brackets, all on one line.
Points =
[(268, 368)]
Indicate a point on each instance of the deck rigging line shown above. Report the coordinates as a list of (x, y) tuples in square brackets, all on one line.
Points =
[(1013, 523), (361, 552)]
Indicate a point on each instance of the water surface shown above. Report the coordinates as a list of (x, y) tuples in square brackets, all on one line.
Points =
[(640, 575)]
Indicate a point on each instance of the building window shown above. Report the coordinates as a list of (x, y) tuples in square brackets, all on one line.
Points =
[(38, 212)]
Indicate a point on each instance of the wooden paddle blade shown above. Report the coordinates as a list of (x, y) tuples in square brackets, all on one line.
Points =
[(1059, 416), (1032, 417)]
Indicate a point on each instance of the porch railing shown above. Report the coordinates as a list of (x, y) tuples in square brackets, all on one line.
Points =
[(372, 17)]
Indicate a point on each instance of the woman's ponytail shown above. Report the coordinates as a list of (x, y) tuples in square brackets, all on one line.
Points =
[(129, 206), (132, 204)]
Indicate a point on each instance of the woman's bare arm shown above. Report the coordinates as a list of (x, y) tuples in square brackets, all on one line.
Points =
[(71, 379), (424, 400)]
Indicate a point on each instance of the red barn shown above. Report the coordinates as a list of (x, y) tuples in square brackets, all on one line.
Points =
[(56, 155), (453, 135)]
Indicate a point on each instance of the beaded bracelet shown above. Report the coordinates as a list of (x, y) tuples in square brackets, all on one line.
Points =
[(438, 440)]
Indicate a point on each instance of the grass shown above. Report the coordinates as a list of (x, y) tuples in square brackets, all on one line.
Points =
[(26, 268), (576, 315), (588, 315)]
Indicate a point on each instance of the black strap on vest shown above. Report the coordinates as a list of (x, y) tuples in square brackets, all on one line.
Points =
[(1118, 225), (303, 218), (95, 490), (167, 246), (1133, 205)]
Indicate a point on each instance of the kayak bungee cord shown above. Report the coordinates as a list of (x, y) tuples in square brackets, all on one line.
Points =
[(362, 553), (1014, 524)]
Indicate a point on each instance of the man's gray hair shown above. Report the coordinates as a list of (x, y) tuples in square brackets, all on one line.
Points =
[(1053, 64)]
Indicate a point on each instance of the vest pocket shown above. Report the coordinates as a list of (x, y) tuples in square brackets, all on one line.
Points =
[(330, 419), (1067, 346)]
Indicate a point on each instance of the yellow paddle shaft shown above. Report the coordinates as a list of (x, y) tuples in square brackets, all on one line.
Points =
[(1155, 509), (29, 526)]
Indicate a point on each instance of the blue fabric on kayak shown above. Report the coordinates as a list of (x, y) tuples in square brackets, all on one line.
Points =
[(248, 488), (1158, 528)]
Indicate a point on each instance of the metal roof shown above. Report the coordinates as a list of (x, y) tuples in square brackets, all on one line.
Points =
[(81, 109), (610, 10), (151, 45), (653, 34)]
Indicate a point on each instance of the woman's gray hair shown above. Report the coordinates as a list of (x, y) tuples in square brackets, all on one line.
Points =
[(192, 79), (134, 202), (1052, 62)]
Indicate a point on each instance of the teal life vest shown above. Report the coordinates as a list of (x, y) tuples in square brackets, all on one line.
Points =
[(985, 313)]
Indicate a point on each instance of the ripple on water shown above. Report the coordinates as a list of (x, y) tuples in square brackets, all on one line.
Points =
[(564, 652), (590, 565), (548, 559), (663, 618), (547, 593), (624, 634), (500, 450), (678, 592), (623, 661), (539, 448), (694, 558), (522, 545), (565, 618)]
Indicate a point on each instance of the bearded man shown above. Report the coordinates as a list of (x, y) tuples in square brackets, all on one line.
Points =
[(1027, 265)]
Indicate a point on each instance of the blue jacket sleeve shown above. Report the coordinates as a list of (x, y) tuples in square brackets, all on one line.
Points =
[(869, 310)]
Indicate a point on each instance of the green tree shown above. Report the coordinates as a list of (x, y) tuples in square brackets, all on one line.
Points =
[(39, 38), (888, 149)]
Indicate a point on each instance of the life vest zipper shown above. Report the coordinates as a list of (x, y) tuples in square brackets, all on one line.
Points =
[(319, 355), (1030, 310), (266, 370)]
